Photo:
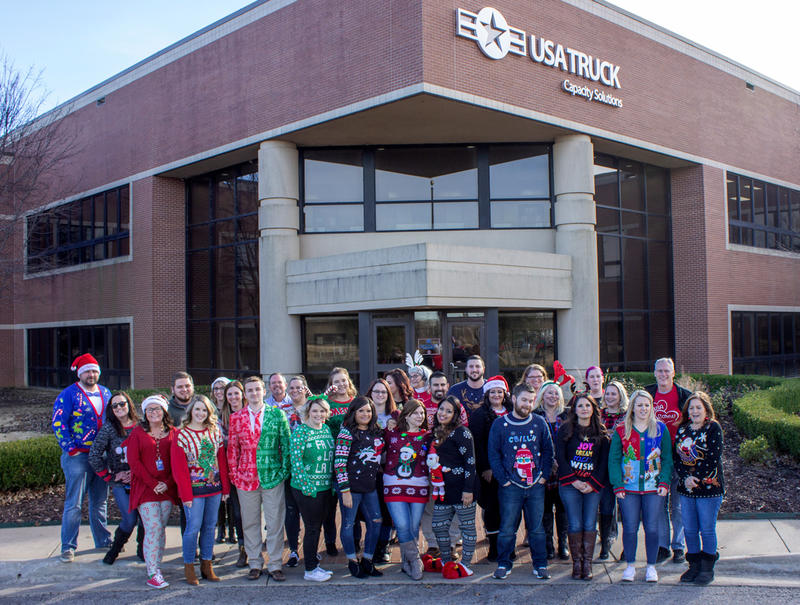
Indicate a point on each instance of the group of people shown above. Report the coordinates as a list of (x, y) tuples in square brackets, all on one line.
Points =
[(411, 454)]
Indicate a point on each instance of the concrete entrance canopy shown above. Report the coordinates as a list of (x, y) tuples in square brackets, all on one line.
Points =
[(429, 275)]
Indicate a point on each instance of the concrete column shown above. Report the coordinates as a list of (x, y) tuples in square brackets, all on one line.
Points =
[(279, 223), (578, 327)]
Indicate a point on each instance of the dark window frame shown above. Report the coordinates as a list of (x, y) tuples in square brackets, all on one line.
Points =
[(784, 363)]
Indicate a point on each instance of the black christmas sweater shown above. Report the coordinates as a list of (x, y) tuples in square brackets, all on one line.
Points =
[(457, 460), (357, 460), (698, 453), (581, 458), (479, 425)]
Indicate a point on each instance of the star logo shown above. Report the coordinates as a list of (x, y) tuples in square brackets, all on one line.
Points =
[(493, 33)]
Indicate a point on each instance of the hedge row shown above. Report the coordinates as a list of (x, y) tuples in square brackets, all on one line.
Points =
[(712, 382), (772, 413), (30, 463)]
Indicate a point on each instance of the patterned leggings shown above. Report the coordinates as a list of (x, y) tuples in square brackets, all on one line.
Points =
[(442, 517), (154, 516)]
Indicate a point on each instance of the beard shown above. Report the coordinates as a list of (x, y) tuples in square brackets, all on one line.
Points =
[(181, 399)]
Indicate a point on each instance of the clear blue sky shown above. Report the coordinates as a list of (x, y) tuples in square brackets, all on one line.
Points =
[(80, 43)]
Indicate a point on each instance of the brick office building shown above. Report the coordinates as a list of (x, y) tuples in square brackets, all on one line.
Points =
[(308, 183)]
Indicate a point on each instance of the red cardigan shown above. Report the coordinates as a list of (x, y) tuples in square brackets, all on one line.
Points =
[(142, 454)]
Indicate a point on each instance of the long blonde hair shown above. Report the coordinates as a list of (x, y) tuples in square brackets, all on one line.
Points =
[(623, 395), (652, 422), (211, 419), (540, 396)]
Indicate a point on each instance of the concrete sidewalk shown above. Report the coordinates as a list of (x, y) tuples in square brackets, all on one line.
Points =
[(760, 552)]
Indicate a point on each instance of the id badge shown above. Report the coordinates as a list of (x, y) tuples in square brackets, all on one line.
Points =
[(159, 464)]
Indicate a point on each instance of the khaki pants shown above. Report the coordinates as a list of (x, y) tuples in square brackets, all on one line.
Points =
[(273, 504)]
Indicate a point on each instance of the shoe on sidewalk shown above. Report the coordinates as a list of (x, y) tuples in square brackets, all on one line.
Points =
[(663, 554), (157, 581), (316, 575), (541, 573), (651, 575), (501, 573), (629, 575), (678, 556), (293, 560), (67, 556)]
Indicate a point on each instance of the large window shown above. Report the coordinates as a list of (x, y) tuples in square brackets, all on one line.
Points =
[(634, 256), (82, 231), (765, 343), (51, 351), (525, 338), (762, 215), (330, 341), (222, 273), (426, 188)]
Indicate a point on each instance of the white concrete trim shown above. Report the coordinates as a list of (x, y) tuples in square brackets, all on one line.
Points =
[(670, 39), (82, 267), (755, 250), (70, 323), (764, 308)]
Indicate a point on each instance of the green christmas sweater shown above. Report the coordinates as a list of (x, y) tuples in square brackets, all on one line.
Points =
[(312, 459)]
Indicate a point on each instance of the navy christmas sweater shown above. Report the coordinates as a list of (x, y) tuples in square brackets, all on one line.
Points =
[(520, 451)]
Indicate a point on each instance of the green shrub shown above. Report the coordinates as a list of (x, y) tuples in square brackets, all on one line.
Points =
[(772, 413), (30, 463), (755, 451)]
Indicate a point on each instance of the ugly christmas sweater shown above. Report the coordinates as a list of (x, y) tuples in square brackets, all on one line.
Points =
[(698, 453), (336, 417), (312, 459), (75, 421), (108, 456), (357, 460), (581, 458), (520, 450), (150, 461), (611, 420), (457, 459), (405, 477), (198, 464), (640, 463)]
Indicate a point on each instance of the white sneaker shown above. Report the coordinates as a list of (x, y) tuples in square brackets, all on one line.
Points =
[(317, 575), (67, 556), (330, 573), (651, 575), (629, 574)]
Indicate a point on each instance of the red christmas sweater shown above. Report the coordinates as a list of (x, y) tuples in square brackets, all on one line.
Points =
[(143, 455), (199, 465), (405, 476)]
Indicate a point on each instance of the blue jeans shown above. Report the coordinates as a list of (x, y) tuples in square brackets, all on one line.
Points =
[(371, 510), (581, 508), (513, 501), (201, 518), (648, 508), (700, 521), (407, 517), (128, 520), (608, 501), (672, 513), (80, 479)]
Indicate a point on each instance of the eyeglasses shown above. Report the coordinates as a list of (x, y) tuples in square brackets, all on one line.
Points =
[(119, 404), (376, 392)]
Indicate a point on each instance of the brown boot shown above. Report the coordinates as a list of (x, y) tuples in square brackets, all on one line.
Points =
[(207, 572), (576, 550), (589, 540), (188, 572), (242, 560)]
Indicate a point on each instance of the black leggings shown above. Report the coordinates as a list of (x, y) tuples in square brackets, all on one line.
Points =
[(490, 505), (313, 510)]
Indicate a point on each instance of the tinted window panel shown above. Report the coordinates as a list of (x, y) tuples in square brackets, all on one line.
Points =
[(519, 172)]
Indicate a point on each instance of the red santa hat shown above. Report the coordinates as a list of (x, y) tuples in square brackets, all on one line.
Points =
[(454, 571), (84, 363), (495, 382)]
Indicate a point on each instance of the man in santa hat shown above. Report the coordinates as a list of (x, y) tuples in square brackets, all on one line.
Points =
[(78, 413)]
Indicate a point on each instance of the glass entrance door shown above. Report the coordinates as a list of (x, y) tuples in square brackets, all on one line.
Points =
[(464, 336), (392, 339)]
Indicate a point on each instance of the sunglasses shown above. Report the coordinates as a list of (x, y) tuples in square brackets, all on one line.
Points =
[(119, 404)]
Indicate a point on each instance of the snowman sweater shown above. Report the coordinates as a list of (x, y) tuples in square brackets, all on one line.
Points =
[(405, 477), (357, 460), (520, 451)]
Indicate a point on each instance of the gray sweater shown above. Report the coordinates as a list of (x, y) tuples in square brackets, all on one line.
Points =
[(108, 456)]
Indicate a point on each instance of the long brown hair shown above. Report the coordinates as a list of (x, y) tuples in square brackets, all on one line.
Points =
[(442, 431), (225, 414), (596, 429), (409, 408), (111, 417), (391, 405), (351, 388), (400, 379)]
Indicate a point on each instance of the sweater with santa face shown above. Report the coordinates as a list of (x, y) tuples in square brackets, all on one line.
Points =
[(698, 453), (520, 450)]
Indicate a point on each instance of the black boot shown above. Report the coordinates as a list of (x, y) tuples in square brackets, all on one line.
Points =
[(140, 543), (563, 552), (694, 567), (221, 523), (369, 569), (707, 562), (232, 538), (605, 537), (120, 537), (548, 545), (492, 555), (382, 554)]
